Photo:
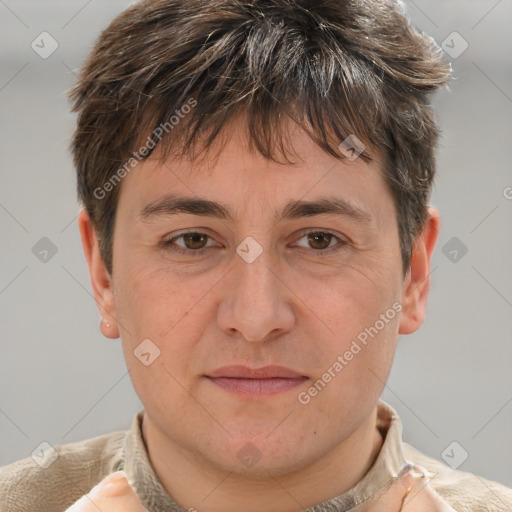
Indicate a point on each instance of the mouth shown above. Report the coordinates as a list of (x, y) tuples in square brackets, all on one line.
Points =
[(268, 380)]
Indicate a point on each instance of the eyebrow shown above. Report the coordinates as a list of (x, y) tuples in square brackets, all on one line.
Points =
[(169, 205)]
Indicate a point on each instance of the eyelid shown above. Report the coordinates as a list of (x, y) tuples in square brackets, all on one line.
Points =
[(306, 231)]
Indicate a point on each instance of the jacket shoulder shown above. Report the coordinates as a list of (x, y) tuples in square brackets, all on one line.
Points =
[(464, 491), (61, 476)]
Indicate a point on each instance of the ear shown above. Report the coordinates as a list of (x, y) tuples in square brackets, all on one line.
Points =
[(100, 278), (417, 280)]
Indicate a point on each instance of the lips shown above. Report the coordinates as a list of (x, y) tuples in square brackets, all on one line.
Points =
[(244, 372), (268, 380)]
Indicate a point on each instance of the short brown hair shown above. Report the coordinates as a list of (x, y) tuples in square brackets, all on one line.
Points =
[(336, 67)]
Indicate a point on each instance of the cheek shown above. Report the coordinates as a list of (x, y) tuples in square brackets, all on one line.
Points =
[(158, 339), (351, 378), (359, 313), (157, 302), (352, 300), (153, 304)]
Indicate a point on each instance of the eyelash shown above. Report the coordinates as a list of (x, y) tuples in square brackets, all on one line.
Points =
[(168, 244)]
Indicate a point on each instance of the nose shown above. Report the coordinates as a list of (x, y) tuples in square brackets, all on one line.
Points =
[(256, 304)]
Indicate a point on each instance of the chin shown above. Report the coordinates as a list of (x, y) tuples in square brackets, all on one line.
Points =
[(260, 456), (267, 466)]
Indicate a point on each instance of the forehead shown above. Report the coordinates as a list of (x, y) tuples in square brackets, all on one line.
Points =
[(241, 178)]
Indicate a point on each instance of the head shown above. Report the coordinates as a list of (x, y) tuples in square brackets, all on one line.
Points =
[(257, 106)]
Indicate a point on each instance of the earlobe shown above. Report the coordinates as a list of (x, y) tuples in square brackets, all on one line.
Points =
[(417, 280), (100, 279)]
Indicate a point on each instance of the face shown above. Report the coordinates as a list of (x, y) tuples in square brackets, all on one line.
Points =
[(262, 280)]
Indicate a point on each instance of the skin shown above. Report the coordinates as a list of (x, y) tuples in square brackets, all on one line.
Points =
[(112, 494), (289, 307)]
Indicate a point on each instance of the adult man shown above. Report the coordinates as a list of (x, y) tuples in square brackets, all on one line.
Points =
[(258, 301)]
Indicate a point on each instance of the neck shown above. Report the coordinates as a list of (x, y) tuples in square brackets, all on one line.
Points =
[(195, 482)]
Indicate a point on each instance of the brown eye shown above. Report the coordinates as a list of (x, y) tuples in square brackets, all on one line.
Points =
[(321, 243), (191, 243), (194, 240), (320, 240)]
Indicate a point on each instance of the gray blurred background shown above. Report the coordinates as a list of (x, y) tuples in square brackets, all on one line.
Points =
[(61, 381)]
